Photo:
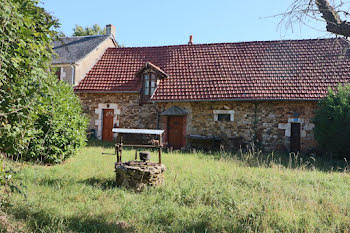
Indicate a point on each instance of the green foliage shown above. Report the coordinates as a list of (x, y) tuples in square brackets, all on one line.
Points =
[(201, 194), (61, 126), (88, 31), (332, 122), (27, 86), (25, 37)]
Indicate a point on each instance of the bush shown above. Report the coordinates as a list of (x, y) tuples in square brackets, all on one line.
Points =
[(60, 126), (332, 122), (53, 130)]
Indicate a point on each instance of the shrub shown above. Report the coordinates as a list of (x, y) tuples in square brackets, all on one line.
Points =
[(332, 122), (60, 128)]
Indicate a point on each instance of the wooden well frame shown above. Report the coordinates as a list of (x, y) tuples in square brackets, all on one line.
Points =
[(120, 145)]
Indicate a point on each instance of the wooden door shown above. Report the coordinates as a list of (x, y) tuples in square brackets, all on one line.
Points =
[(107, 134), (295, 137), (175, 131)]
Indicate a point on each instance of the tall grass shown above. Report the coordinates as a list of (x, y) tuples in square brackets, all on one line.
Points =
[(245, 192), (253, 157)]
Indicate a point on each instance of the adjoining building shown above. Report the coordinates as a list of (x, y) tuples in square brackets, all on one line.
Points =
[(76, 55)]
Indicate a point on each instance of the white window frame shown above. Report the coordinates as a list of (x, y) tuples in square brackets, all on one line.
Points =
[(217, 112)]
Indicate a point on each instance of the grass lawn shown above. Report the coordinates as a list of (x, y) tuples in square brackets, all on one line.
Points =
[(202, 194)]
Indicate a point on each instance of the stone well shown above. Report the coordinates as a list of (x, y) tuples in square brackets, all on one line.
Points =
[(137, 174)]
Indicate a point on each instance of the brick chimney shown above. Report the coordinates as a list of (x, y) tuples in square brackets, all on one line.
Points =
[(190, 41), (110, 30)]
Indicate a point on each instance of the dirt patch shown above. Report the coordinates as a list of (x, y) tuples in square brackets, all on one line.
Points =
[(7, 226)]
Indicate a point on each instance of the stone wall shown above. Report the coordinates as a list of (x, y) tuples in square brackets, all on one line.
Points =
[(130, 114), (137, 175), (273, 120)]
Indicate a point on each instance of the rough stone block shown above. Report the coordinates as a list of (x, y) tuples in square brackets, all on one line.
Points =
[(283, 125), (137, 175)]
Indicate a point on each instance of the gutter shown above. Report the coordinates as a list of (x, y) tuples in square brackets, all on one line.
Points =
[(107, 92), (63, 64), (229, 100), (198, 100)]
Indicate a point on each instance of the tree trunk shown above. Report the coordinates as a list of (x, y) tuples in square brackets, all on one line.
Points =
[(334, 23)]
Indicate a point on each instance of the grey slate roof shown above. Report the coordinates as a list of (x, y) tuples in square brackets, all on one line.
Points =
[(72, 49)]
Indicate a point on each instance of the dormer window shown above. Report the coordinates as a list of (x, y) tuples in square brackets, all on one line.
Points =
[(150, 76), (149, 84)]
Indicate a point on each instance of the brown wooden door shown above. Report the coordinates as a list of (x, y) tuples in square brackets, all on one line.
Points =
[(175, 131), (107, 134), (295, 137)]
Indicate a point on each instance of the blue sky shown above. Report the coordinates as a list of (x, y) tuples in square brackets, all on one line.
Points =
[(164, 22)]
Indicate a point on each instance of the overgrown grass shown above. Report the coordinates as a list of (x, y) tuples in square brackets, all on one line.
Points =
[(217, 193)]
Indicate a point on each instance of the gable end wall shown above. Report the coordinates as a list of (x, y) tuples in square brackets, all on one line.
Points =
[(85, 64)]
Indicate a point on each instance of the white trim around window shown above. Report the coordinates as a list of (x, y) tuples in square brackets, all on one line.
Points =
[(217, 112)]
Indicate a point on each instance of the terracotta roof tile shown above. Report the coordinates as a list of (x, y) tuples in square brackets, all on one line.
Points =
[(296, 69)]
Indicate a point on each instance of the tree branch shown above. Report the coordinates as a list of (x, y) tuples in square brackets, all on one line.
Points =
[(334, 23)]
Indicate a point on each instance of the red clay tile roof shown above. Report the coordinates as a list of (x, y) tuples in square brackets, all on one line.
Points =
[(149, 65), (272, 70)]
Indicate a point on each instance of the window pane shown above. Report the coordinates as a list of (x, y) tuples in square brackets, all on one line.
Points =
[(146, 90), (146, 84), (146, 77), (153, 83), (224, 117)]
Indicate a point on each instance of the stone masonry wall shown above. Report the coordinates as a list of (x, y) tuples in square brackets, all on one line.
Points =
[(130, 114), (273, 120)]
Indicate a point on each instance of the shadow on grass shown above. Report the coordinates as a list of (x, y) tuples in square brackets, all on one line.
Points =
[(103, 184), (38, 220), (58, 183), (99, 143), (54, 181)]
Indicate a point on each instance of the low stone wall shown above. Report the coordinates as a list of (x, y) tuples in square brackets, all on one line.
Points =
[(137, 175)]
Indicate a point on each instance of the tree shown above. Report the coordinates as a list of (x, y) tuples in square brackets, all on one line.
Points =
[(27, 85), (332, 122), (88, 31), (334, 14)]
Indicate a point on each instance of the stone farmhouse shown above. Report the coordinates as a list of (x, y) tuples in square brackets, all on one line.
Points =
[(233, 92), (76, 55)]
